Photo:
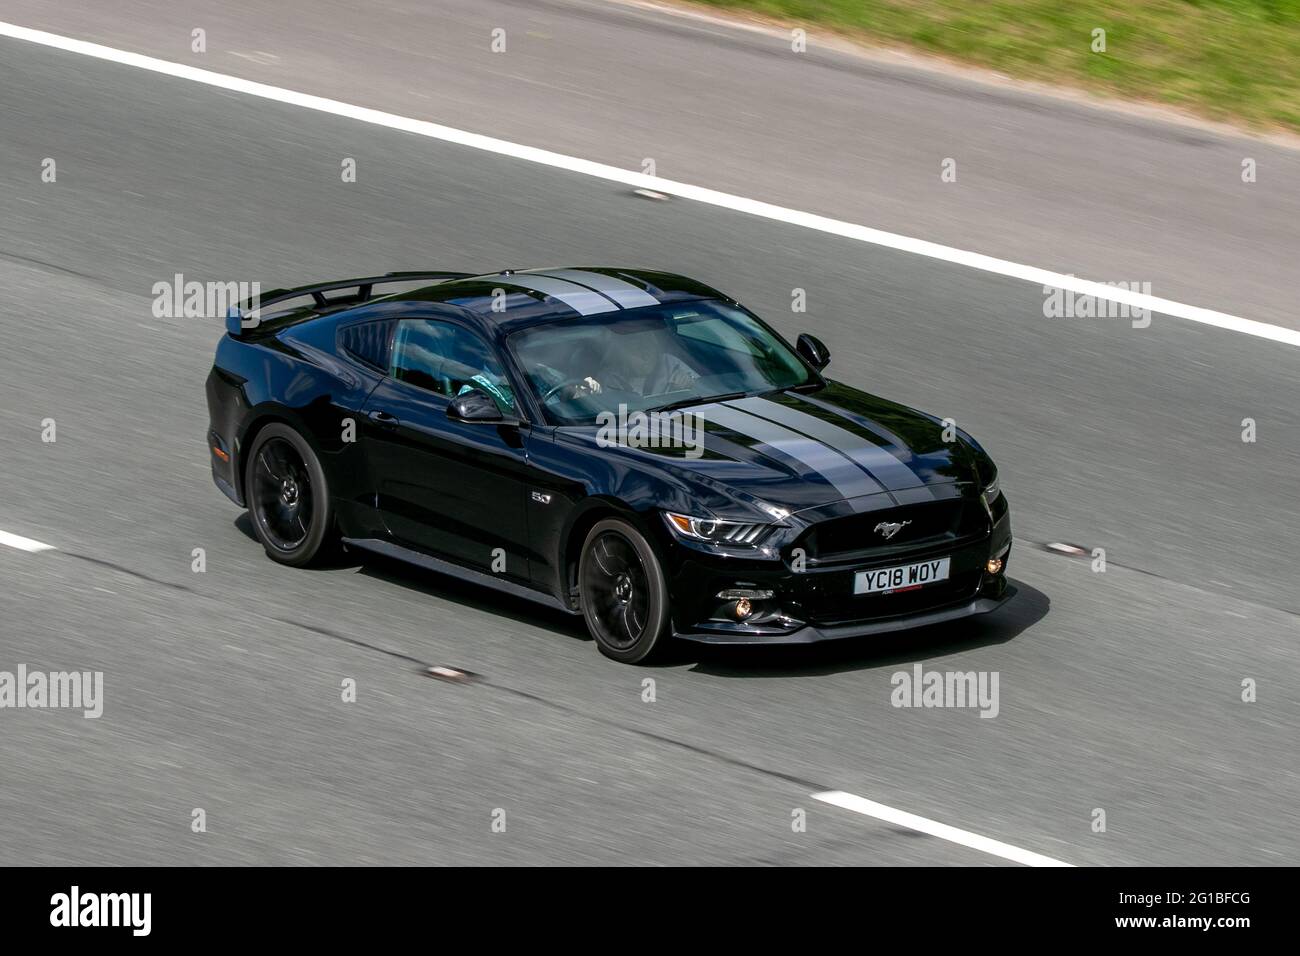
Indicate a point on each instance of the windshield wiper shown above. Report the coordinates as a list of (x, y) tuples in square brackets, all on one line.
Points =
[(813, 386), (698, 400)]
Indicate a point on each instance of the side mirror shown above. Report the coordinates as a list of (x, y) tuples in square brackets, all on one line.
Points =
[(475, 405), (813, 350)]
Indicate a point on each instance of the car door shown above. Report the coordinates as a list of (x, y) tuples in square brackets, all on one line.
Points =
[(451, 488)]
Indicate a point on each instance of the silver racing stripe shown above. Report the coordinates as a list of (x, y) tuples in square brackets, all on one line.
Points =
[(621, 291), (877, 429), (883, 465), (842, 474), (582, 300)]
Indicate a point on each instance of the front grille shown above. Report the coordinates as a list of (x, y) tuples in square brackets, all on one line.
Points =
[(929, 524)]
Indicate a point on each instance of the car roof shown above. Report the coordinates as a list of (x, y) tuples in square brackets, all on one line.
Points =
[(512, 299)]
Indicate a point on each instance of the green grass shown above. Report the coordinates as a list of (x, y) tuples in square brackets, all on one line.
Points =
[(1233, 60)]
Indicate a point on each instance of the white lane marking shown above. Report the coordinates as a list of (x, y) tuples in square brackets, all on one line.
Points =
[(23, 544), (901, 818), (753, 207)]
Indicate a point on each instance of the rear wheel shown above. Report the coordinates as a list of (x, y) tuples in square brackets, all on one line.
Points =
[(288, 498), (624, 595)]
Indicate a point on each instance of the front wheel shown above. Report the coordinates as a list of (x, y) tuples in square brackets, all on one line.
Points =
[(288, 498), (624, 595)]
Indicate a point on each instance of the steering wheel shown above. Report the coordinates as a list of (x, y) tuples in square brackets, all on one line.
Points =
[(550, 392)]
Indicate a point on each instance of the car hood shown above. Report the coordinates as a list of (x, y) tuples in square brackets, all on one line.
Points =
[(788, 452)]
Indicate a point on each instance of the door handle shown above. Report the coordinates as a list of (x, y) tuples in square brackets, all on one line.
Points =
[(383, 419)]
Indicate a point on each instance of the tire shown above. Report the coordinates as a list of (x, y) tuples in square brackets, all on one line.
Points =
[(288, 498), (624, 595)]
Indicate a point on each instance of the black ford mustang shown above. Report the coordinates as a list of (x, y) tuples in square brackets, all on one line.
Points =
[(627, 445)]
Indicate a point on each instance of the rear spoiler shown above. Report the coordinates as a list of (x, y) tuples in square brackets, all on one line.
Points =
[(246, 315)]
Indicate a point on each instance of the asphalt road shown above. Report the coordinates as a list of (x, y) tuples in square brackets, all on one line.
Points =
[(1119, 690), (1063, 185)]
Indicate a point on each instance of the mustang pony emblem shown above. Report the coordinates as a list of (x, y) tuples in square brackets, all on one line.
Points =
[(891, 528)]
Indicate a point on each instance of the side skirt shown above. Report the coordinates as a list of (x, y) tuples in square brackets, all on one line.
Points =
[(419, 558)]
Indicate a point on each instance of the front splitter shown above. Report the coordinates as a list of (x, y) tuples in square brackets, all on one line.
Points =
[(814, 635)]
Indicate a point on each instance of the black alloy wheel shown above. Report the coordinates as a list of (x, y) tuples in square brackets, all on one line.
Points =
[(624, 596), (287, 497)]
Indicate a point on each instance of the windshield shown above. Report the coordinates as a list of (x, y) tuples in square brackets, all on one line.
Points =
[(648, 358)]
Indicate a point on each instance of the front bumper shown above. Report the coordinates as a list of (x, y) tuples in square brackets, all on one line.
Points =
[(819, 603), (810, 634)]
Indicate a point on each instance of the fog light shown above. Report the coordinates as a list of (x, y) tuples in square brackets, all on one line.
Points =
[(994, 565), (744, 603)]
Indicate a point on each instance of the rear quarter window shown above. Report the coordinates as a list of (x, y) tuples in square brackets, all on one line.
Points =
[(368, 342)]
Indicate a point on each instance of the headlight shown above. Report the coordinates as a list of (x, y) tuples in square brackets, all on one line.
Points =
[(735, 533)]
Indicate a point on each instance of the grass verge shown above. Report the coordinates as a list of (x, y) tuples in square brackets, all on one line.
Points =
[(1231, 60)]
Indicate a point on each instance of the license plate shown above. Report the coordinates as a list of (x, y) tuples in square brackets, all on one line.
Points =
[(902, 578)]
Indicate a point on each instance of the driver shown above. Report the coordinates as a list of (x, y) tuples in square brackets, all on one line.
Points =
[(594, 366), (586, 362), (665, 374)]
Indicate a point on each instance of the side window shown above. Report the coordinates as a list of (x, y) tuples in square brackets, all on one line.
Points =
[(446, 359)]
